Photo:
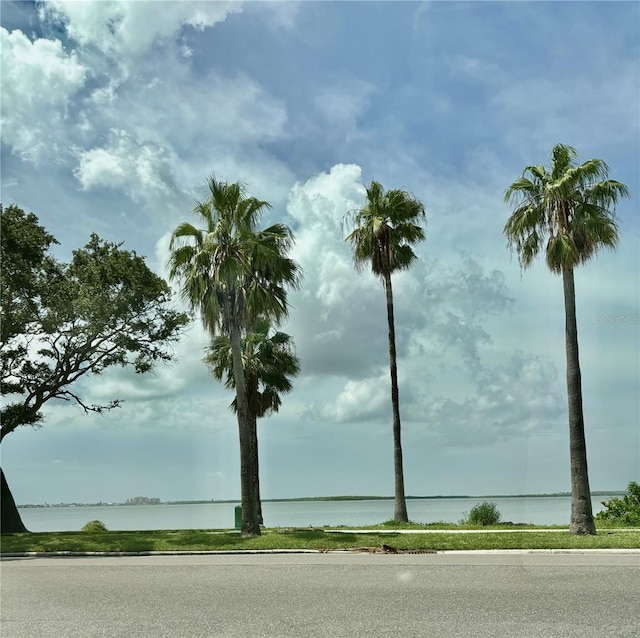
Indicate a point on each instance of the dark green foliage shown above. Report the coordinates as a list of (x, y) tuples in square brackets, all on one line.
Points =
[(483, 514), (94, 527), (623, 511), (61, 322), (26, 268), (25, 276)]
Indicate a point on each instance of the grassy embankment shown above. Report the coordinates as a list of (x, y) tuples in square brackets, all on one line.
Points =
[(437, 538)]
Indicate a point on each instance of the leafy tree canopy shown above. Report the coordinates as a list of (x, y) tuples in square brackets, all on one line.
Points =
[(61, 322), (25, 265)]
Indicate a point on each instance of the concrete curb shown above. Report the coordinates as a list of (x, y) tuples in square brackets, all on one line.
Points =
[(315, 551), (203, 552)]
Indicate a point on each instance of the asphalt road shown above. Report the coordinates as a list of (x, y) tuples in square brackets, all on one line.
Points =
[(322, 595)]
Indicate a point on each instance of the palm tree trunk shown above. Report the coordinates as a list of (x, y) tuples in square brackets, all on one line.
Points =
[(10, 520), (581, 511), (253, 402), (256, 466), (250, 524), (400, 504)]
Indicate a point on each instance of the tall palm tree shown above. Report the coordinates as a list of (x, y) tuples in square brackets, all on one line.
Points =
[(384, 231), (232, 273), (567, 210), (270, 364)]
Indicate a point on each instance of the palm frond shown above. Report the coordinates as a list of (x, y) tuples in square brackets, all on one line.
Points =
[(562, 158), (184, 233), (205, 213), (522, 189), (606, 193)]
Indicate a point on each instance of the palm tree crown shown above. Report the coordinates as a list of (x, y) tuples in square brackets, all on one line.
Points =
[(568, 206), (231, 271), (385, 229)]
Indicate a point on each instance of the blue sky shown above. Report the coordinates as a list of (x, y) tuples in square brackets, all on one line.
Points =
[(115, 113)]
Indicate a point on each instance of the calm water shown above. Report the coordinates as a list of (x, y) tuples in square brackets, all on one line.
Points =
[(536, 510)]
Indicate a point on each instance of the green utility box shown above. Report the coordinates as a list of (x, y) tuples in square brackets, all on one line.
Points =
[(238, 516)]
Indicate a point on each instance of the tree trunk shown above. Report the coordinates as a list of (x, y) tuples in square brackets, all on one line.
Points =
[(581, 511), (250, 523), (400, 504), (10, 520), (256, 466), (253, 403)]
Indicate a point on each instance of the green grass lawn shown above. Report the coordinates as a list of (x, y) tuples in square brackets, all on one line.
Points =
[(318, 539)]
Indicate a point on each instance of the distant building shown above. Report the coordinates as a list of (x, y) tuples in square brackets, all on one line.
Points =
[(142, 500)]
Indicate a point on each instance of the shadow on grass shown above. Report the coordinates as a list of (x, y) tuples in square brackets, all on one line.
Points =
[(77, 542), (182, 540)]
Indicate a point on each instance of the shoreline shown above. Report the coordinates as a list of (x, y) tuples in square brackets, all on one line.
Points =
[(596, 493)]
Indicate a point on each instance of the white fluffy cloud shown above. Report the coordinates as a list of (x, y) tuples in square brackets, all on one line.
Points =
[(319, 208), (143, 170), (359, 400), (127, 109), (167, 129), (159, 144), (118, 28), (39, 80)]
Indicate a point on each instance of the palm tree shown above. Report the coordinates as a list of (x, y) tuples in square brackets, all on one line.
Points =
[(385, 229), (270, 364), (232, 273), (567, 210)]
